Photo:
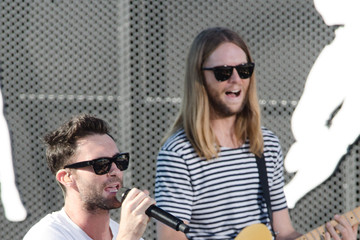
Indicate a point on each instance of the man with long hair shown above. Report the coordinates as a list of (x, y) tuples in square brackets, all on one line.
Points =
[(89, 167), (206, 169)]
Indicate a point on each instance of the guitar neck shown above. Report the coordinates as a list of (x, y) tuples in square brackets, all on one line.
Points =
[(353, 217)]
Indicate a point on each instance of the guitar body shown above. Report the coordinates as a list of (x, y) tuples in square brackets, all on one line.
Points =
[(260, 232), (256, 231)]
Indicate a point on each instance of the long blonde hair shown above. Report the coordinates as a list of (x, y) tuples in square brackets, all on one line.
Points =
[(194, 115)]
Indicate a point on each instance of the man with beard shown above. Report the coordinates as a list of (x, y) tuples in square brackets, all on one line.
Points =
[(89, 168), (206, 169)]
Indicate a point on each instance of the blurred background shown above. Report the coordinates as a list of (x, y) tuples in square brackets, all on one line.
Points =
[(124, 61)]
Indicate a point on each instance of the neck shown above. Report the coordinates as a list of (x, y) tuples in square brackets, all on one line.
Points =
[(95, 224), (224, 130)]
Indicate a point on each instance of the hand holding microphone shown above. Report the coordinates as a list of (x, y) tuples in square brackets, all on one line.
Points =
[(157, 213), (133, 220)]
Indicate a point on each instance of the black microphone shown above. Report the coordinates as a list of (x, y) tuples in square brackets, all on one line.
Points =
[(157, 213)]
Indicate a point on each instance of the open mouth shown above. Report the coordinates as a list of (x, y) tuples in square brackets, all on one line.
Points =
[(233, 93), (113, 188)]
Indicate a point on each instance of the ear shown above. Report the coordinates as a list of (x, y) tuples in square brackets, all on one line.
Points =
[(64, 177)]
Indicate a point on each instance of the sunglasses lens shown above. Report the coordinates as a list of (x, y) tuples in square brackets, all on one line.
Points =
[(102, 166), (222, 73), (122, 162), (245, 71)]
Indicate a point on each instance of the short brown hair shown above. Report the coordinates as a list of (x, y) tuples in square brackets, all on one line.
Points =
[(61, 144)]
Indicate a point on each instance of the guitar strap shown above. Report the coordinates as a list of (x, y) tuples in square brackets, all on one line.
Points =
[(260, 161)]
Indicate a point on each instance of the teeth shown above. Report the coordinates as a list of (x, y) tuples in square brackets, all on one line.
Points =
[(233, 92), (112, 189)]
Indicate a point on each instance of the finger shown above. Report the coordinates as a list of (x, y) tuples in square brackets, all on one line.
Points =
[(130, 195), (135, 192), (327, 236), (145, 202), (133, 198), (342, 220), (345, 228), (139, 201), (340, 229), (332, 231)]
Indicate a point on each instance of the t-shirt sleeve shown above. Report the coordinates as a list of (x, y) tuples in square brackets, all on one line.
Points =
[(173, 190), (276, 178)]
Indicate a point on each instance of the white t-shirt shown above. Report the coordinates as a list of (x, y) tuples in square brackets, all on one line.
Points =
[(58, 226)]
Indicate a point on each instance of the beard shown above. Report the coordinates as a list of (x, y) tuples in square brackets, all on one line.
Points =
[(220, 108), (94, 200), (97, 202)]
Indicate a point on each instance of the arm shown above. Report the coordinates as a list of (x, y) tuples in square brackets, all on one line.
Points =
[(281, 218), (164, 232), (283, 225), (133, 219), (173, 192), (346, 231)]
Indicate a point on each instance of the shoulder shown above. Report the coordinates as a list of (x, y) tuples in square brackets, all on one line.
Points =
[(178, 142), (49, 227), (272, 145), (176, 154), (268, 135), (271, 141)]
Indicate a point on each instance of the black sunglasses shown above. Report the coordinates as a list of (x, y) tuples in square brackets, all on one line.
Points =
[(103, 165), (223, 73)]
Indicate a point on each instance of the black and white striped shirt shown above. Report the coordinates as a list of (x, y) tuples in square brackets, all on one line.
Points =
[(221, 196)]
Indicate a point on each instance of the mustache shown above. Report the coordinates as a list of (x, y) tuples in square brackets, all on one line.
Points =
[(114, 180)]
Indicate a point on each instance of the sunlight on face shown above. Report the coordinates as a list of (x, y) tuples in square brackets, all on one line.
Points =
[(96, 191), (226, 98)]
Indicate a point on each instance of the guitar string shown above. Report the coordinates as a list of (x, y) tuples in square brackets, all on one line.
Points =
[(320, 234), (347, 219), (322, 228), (313, 235), (355, 215)]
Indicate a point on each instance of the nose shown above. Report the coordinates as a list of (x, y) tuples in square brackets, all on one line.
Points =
[(114, 170), (234, 76)]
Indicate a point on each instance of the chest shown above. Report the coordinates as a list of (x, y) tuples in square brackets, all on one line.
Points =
[(230, 176)]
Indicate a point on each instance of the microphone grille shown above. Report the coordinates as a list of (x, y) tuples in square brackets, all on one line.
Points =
[(121, 194)]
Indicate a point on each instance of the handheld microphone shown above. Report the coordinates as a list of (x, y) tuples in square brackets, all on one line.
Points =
[(157, 213)]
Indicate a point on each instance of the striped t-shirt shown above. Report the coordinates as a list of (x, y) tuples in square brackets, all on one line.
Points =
[(221, 196)]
